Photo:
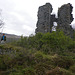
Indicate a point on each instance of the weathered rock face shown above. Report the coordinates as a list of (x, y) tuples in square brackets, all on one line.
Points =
[(65, 14), (65, 18), (46, 19), (44, 14)]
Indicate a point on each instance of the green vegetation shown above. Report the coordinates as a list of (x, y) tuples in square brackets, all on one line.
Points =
[(42, 54)]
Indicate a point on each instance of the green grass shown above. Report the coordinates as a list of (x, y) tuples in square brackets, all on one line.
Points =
[(42, 54)]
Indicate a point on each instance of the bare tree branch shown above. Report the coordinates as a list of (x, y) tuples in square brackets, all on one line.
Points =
[(1, 21)]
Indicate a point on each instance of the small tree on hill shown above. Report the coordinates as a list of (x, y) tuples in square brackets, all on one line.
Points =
[(1, 20)]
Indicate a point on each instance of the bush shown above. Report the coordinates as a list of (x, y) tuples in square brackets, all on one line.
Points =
[(28, 71), (41, 68), (59, 71), (72, 68), (63, 62)]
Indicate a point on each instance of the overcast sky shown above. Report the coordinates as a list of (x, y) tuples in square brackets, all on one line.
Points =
[(20, 16)]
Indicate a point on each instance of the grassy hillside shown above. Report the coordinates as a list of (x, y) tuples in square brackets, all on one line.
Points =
[(42, 54)]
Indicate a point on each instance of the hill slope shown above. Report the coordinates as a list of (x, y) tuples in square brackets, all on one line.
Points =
[(42, 54)]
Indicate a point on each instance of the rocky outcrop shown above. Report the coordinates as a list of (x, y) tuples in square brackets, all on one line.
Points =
[(65, 18), (46, 19)]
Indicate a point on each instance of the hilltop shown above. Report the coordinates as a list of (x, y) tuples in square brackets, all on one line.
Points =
[(42, 54)]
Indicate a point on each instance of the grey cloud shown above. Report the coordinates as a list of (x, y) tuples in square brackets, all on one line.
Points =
[(15, 19), (13, 22)]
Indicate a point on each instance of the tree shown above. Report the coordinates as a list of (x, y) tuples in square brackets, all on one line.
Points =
[(1, 21)]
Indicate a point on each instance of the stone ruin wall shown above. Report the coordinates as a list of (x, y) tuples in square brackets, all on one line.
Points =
[(65, 18), (44, 14), (46, 19)]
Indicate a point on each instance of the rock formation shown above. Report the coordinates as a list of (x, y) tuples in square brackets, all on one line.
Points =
[(46, 19), (65, 18)]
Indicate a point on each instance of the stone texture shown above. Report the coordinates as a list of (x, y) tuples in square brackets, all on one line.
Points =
[(65, 18), (44, 14), (46, 19)]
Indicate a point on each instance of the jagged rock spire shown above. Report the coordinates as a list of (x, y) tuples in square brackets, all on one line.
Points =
[(46, 19)]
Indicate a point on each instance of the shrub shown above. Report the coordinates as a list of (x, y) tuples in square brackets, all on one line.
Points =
[(63, 62), (72, 68), (59, 71), (28, 71), (41, 68)]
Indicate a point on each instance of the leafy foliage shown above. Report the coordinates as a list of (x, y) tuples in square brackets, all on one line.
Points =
[(42, 54), (55, 41)]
